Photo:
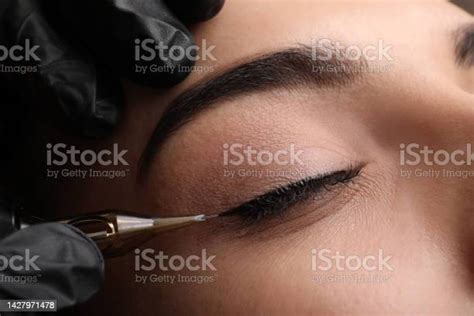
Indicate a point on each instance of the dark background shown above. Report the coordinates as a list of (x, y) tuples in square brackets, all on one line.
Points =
[(466, 4)]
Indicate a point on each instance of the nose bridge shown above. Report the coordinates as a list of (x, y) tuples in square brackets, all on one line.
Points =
[(427, 111), (453, 126), (436, 156), (436, 169), (440, 134), (427, 127)]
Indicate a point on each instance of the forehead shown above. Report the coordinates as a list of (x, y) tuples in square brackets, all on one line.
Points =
[(247, 28)]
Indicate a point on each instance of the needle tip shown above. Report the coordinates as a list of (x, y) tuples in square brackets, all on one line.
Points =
[(203, 217), (200, 218)]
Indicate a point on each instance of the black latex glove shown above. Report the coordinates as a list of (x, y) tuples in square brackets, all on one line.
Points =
[(86, 45), (71, 266)]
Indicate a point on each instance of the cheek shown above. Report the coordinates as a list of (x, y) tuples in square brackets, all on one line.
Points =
[(273, 274), (468, 83)]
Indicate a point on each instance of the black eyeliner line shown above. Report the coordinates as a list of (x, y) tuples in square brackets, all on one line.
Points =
[(282, 198)]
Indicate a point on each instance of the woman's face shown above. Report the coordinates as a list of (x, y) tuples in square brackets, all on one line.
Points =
[(282, 101)]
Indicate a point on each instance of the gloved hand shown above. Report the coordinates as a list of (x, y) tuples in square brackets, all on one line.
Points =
[(56, 262), (85, 46)]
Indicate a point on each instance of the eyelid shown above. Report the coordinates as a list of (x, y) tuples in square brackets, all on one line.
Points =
[(282, 198), (465, 45)]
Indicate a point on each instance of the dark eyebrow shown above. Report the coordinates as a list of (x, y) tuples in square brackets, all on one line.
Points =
[(464, 37), (289, 68)]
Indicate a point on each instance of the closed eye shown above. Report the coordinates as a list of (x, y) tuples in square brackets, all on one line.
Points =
[(282, 198), (465, 45)]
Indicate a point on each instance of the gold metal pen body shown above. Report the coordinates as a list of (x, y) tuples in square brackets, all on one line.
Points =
[(117, 232)]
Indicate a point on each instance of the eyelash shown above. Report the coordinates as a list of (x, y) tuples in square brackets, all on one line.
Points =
[(281, 199), (465, 47)]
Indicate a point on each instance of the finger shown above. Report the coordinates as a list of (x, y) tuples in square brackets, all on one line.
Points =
[(117, 30), (66, 81), (195, 11), (60, 261)]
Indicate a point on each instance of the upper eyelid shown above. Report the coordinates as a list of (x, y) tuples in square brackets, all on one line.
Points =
[(286, 68)]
